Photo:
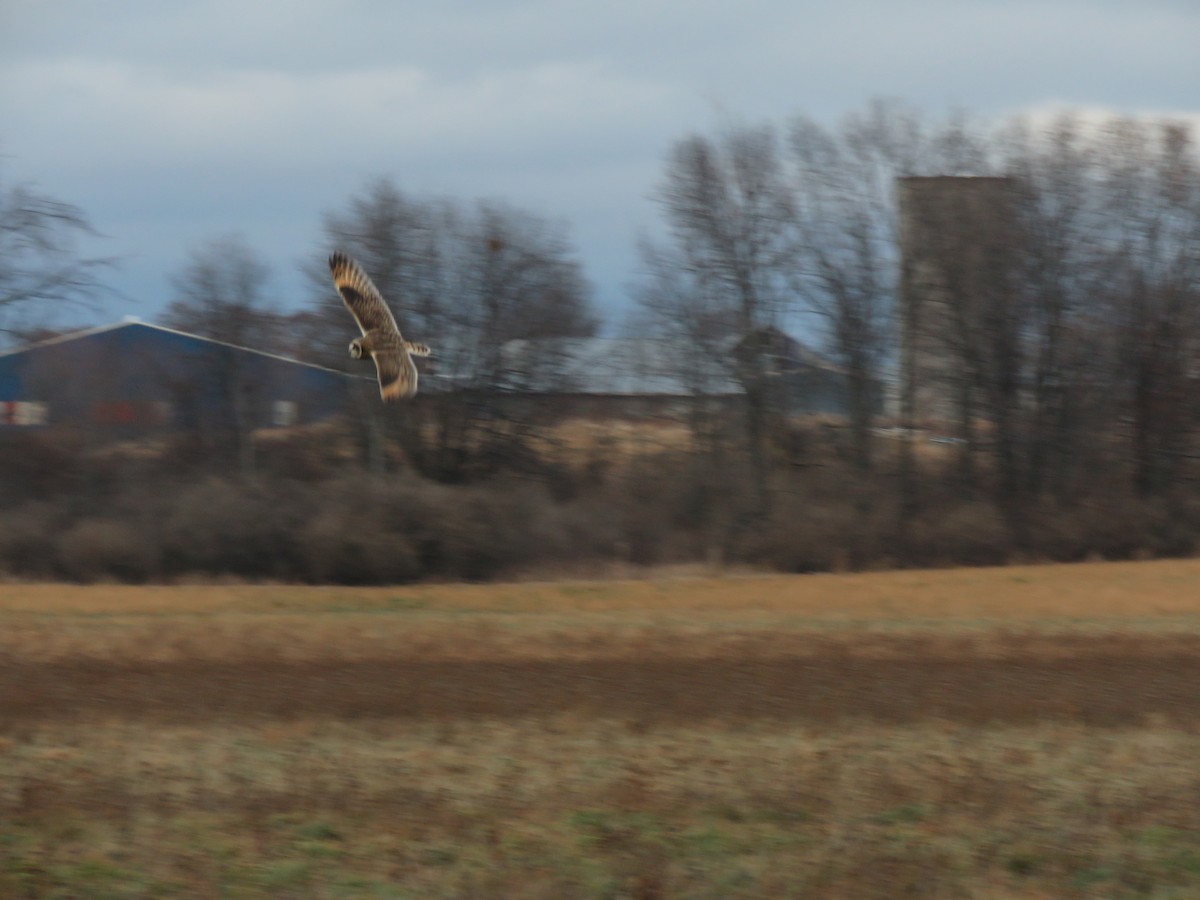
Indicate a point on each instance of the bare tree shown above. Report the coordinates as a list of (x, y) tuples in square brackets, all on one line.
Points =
[(1068, 298), (1151, 190), (1052, 171), (467, 280), (966, 234), (220, 294), (40, 269), (847, 251), (693, 327), (728, 210)]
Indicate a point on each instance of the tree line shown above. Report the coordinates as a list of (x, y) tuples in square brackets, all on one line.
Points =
[(1058, 319)]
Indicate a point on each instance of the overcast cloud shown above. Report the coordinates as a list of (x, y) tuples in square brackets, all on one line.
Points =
[(170, 123)]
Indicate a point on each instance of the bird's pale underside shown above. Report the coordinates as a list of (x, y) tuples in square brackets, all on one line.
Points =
[(381, 338)]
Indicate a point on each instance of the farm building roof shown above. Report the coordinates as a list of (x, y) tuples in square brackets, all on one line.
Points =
[(121, 371), (643, 366)]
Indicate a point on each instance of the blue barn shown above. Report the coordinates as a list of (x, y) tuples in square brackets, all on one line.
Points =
[(132, 376)]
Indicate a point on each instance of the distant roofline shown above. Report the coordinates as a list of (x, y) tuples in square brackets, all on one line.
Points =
[(69, 336), (956, 178), (811, 357), (130, 321)]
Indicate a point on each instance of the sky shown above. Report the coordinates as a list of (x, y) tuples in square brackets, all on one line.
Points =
[(173, 123)]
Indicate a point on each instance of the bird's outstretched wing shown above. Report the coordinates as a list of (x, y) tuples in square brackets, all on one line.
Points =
[(361, 297)]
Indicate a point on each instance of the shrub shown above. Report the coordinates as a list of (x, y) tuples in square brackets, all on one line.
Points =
[(69, 508), (970, 534), (39, 466), (244, 528), (97, 549), (27, 540), (802, 537), (353, 548)]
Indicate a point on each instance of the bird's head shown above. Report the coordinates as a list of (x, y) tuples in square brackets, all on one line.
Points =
[(356, 349)]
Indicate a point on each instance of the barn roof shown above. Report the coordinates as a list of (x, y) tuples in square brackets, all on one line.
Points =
[(138, 327), (611, 366), (642, 366), (157, 374)]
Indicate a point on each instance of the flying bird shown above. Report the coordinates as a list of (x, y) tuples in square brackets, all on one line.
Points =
[(381, 338)]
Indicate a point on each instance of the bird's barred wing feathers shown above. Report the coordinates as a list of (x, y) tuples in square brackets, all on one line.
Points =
[(361, 296)]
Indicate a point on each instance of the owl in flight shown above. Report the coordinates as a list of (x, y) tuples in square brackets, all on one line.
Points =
[(381, 339)]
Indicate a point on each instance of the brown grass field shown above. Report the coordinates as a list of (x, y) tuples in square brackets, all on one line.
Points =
[(1016, 732)]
